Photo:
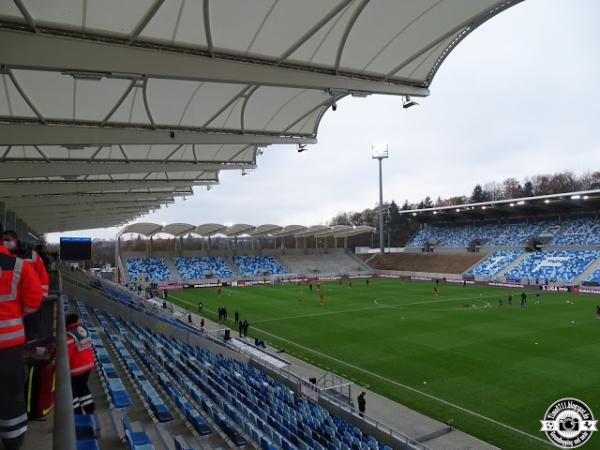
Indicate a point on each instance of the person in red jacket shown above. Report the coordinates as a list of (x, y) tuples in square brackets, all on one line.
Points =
[(12, 243), (39, 324), (20, 294), (81, 363)]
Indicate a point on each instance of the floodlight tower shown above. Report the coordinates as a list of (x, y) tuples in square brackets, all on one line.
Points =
[(380, 152)]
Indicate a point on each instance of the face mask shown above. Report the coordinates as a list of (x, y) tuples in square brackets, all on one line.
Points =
[(10, 245)]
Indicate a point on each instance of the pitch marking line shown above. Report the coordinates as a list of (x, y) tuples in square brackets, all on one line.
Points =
[(396, 383), (409, 388)]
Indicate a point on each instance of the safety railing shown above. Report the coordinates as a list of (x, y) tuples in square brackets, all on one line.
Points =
[(63, 437)]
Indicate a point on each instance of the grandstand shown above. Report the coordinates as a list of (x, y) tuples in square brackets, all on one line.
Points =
[(264, 253), (552, 239)]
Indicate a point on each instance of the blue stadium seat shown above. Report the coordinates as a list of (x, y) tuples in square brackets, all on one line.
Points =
[(193, 268), (495, 262), (258, 265), (557, 265), (137, 440), (565, 232), (155, 269), (593, 279)]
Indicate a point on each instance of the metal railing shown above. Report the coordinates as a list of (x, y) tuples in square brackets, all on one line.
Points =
[(393, 434), (63, 437)]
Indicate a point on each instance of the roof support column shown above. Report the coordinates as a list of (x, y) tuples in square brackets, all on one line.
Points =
[(2, 214), (19, 228)]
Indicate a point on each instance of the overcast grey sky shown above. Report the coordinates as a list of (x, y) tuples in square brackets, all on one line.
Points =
[(518, 97)]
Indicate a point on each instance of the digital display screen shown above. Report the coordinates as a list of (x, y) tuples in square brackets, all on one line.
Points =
[(75, 248)]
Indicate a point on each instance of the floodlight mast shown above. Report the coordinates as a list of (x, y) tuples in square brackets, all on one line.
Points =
[(380, 152)]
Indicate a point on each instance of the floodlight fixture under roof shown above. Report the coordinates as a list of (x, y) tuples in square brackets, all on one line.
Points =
[(408, 102)]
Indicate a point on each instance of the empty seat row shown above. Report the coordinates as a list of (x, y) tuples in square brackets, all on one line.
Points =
[(145, 388), (113, 386)]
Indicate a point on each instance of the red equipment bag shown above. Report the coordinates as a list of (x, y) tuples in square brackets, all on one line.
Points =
[(40, 389)]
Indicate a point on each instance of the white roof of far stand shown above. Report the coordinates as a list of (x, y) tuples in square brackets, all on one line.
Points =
[(270, 230)]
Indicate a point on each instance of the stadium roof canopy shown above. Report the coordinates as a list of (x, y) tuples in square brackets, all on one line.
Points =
[(235, 230), (581, 202), (144, 99)]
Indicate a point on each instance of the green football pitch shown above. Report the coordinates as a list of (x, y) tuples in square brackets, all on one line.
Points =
[(494, 370)]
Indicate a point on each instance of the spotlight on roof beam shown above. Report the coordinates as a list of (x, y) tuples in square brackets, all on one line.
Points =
[(414, 214), (244, 173), (302, 148), (88, 76), (435, 212), (585, 197), (484, 207), (521, 202), (334, 105), (512, 205), (457, 210), (546, 201), (575, 197), (408, 103)]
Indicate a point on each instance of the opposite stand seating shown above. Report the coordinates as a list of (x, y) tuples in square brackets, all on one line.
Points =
[(153, 268), (194, 268), (255, 265), (558, 265)]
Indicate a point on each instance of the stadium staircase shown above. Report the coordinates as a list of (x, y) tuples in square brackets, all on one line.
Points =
[(234, 269), (173, 269), (517, 261), (588, 271), (360, 262)]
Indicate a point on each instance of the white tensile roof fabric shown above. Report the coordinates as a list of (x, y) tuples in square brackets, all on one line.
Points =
[(210, 229), (156, 96)]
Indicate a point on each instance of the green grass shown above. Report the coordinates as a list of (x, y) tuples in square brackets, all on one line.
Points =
[(506, 364)]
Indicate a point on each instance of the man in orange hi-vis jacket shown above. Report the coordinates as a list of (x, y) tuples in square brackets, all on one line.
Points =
[(20, 294), (11, 242)]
